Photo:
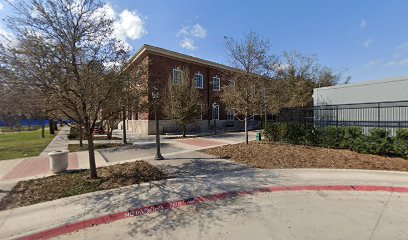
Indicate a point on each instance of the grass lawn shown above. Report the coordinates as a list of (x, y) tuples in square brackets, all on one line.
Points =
[(23, 144), (280, 155), (75, 183)]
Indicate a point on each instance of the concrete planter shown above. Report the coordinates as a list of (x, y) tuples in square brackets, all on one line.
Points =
[(58, 161)]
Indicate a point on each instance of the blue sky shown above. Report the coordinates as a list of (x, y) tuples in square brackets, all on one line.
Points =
[(367, 39)]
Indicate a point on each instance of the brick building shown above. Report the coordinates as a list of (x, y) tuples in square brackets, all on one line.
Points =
[(209, 77)]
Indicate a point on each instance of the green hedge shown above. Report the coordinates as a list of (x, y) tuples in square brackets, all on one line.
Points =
[(378, 141), (401, 143)]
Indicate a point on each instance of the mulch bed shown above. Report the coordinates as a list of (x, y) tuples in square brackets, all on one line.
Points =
[(279, 155), (76, 148), (75, 183)]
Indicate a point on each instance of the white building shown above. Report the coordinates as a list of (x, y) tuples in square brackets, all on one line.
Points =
[(382, 103)]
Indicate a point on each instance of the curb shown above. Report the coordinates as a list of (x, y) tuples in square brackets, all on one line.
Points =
[(61, 230)]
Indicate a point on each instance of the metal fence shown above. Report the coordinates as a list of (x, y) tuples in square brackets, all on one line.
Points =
[(388, 115)]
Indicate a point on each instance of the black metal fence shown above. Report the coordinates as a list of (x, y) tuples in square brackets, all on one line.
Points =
[(388, 115)]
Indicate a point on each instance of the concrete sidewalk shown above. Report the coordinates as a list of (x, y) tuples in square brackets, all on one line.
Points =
[(44, 216)]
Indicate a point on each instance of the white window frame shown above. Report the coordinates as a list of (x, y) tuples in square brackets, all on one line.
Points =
[(202, 80), (218, 112), (231, 83), (201, 112), (218, 85), (229, 114), (174, 80)]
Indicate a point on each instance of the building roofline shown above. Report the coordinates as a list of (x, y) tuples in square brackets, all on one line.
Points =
[(371, 82), (181, 56)]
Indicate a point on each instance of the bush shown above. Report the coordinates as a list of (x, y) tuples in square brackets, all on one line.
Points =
[(275, 131), (377, 142), (332, 137), (351, 135), (73, 133), (401, 143)]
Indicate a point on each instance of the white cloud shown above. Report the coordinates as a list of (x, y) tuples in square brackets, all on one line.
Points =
[(391, 63), (130, 25), (189, 33), (1, 6), (196, 31), (188, 43), (6, 38), (373, 63), (127, 24), (363, 23), (367, 43)]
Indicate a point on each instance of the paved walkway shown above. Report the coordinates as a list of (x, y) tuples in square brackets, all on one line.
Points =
[(60, 142), (364, 210)]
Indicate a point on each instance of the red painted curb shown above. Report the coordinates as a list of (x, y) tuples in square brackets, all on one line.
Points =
[(194, 200)]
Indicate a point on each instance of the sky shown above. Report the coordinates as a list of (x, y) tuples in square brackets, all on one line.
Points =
[(367, 40)]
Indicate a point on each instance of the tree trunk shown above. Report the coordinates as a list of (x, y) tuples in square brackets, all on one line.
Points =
[(109, 132), (246, 128), (55, 126), (80, 136), (124, 127), (43, 129), (51, 124), (184, 131), (91, 151)]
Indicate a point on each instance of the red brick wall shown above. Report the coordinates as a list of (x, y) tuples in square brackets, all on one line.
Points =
[(161, 68)]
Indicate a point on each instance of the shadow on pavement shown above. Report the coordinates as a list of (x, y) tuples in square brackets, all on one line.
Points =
[(221, 176)]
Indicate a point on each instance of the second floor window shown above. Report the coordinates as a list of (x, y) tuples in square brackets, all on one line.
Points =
[(216, 84), (198, 77), (177, 75)]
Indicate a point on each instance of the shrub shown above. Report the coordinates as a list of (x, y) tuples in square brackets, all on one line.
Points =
[(332, 137), (351, 135), (312, 136), (401, 143), (275, 131), (378, 142), (73, 133)]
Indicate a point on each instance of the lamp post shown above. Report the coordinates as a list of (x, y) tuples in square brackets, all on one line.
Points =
[(156, 96), (215, 118)]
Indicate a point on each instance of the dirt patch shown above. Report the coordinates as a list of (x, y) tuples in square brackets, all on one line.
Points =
[(75, 183), (76, 148), (278, 155)]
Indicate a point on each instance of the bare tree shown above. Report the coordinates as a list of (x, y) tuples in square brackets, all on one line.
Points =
[(66, 50), (299, 74), (253, 62), (183, 101)]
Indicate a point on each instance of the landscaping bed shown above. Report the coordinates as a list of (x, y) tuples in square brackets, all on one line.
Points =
[(77, 148), (75, 183), (282, 155)]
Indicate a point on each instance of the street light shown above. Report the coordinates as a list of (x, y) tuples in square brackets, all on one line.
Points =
[(214, 105), (156, 96)]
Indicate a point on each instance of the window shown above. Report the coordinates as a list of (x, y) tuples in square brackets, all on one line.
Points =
[(177, 75), (216, 84), (200, 114), (198, 77), (230, 115), (216, 112), (231, 83)]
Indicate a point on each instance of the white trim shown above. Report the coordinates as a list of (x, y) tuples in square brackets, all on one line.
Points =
[(202, 80), (217, 106), (181, 76), (219, 84)]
